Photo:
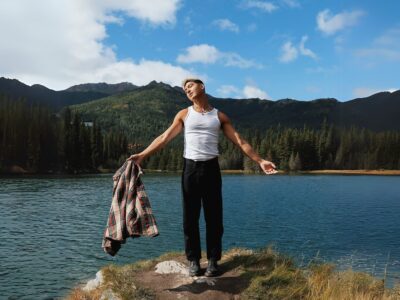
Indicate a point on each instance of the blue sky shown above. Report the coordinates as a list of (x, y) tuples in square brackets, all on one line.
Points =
[(246, 48)]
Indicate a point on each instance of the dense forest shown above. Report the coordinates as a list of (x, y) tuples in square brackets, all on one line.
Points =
[(40, 140), (35, 138)]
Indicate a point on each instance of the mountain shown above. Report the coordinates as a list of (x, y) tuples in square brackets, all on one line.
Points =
[(377, 112), (147, 111), (41, 94), (140, 114), (103, 87), (380, 111)]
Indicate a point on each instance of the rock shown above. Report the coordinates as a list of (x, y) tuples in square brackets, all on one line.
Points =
[(14, 169), (94, 283), (171, 266), (209, 281)]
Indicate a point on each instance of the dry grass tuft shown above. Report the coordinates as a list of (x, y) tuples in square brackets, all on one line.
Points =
[(79, 294)]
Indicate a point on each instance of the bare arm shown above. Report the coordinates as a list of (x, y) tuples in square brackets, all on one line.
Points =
[(230, 132), (163, 139)]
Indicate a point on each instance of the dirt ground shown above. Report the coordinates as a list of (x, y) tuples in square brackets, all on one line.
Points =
[(178, 286)]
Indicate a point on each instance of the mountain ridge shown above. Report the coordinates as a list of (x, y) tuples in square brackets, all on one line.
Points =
[(156, 105), (160, 102), (40, 94), (103, 87)]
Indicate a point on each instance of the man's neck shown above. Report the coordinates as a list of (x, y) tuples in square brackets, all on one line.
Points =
[(201, 102)]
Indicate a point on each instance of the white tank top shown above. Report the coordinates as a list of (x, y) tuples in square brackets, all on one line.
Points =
[(201, 134)]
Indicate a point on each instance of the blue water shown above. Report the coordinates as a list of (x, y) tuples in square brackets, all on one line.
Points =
[(52, 226)]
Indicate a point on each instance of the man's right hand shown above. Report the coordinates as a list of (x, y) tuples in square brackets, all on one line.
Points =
[(137, 158)]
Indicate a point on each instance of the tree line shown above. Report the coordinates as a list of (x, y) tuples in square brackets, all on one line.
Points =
[(295, 149), (34, 137), (39, 140)]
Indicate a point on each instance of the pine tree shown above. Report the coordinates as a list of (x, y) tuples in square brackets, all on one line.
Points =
[(292, 166), (33, 147), (76, 144), (297, 162), (162, 162), (68, 150), (94, 146)]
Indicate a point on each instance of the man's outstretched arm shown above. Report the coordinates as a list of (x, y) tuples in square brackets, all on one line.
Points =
[(163, 139), (230, 132)]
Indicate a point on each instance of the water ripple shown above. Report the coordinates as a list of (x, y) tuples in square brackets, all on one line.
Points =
[(52, 226)]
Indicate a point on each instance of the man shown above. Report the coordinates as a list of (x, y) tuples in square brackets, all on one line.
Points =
[(201, 176)]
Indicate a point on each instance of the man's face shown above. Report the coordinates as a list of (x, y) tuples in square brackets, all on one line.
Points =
[(193, 89)]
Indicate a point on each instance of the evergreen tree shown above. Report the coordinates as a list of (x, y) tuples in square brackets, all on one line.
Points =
[(292, 166), (67, 142)]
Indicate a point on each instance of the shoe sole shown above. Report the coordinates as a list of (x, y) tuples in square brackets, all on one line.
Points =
[(212, 274), (197, 273)]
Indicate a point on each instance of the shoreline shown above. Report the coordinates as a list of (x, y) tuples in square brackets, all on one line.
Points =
[(16, 170), (245, 273), (353, 172), (323, 172)]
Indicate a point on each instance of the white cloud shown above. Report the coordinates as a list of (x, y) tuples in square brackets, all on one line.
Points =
[(330, 24), (305, 51), (376, 53), (313, 89), (157, 12), (203, 53), (289, 52), (251, 91), (389, 38), (385, 47), (189, 27), (291, 3), (362, 92), (248, 91), (226, 91), (339, 41), (144, 71), (225, 24), (252, 27), (235, 60), (207, 54), (61, 43), (261, 5), (322, 70)]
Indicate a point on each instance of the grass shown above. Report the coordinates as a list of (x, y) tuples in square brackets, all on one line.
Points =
[(120, 280), (275, 276), (266, 273)]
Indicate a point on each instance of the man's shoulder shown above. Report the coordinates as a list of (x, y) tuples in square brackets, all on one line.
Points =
[(182, 113), (222, 116)]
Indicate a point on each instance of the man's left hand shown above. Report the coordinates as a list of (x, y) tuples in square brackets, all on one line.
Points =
[(268, 167)]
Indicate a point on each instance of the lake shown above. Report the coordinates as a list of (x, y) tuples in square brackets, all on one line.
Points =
[(52, 226)]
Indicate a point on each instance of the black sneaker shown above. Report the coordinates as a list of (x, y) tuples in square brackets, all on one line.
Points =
[(194, 268), (212, 269)]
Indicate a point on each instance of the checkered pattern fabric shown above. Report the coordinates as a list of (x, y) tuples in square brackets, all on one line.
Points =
[(130, 213)]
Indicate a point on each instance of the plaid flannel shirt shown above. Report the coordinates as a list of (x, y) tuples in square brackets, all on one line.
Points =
[(130, 213)]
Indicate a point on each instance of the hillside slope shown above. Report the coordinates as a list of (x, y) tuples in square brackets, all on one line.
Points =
[(147, 111)]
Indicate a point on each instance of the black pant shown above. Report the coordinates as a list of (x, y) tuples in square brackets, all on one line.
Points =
[(201, 183)]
